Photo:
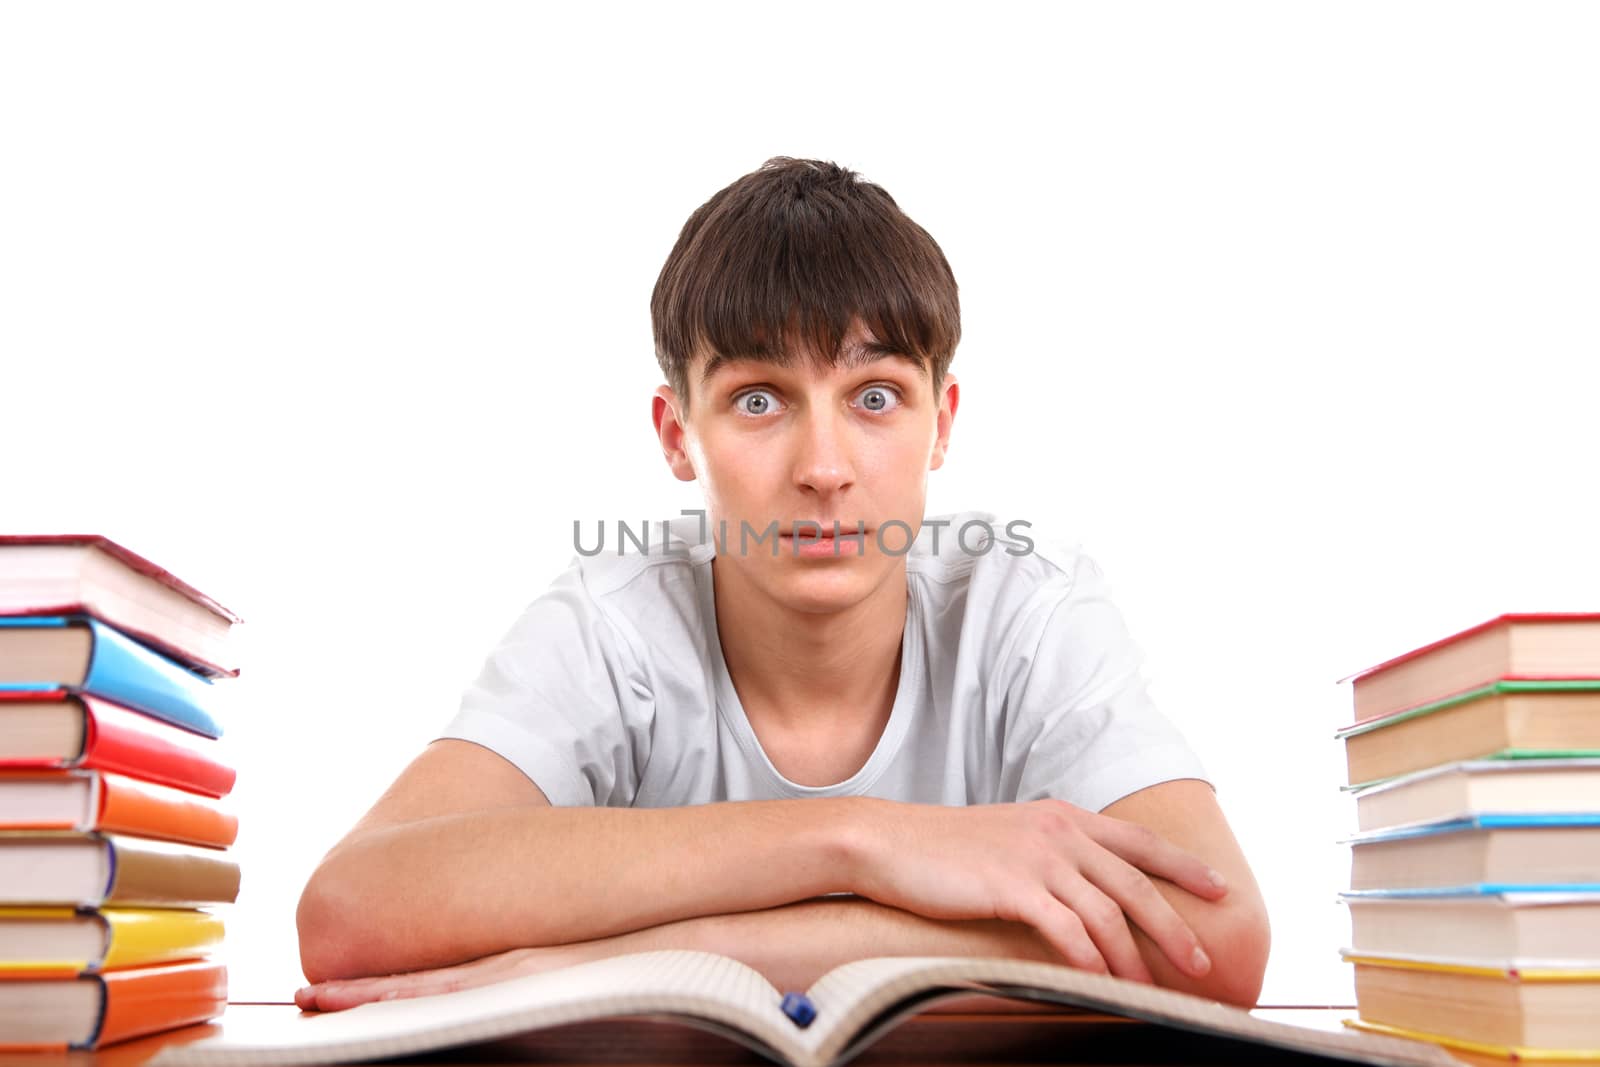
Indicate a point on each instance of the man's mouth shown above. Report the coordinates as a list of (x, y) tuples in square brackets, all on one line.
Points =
[(826, 530), (817, 543)]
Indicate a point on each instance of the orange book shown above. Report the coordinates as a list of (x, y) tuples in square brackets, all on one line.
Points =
[(90, 1011), (97, 800)]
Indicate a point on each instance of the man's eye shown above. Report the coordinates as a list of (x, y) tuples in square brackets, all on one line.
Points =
[(762, 405), (879, 398)]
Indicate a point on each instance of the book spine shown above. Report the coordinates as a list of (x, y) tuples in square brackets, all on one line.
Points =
[(125, 742), (124, 671), (130, 807), (143, 936), (169, 876), (150, 999)]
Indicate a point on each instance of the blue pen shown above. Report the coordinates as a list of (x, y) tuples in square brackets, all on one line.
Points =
[(798, 1007)]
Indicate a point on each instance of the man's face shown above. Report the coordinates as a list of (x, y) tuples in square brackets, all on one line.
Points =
[(774, 445)]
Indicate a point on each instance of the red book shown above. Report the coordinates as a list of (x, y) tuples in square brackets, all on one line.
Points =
[(90, 1011), (1529, 646), (62, 730), (65, 574)]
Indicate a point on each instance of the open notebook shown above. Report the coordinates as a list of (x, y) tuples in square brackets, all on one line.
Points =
[(854, 1004)]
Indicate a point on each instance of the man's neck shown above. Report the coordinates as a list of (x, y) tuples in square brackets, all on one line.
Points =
[(798, 670)]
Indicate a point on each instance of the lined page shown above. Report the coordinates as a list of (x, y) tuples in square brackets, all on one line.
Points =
[(855, 1003), (857, 992), (725, 995)]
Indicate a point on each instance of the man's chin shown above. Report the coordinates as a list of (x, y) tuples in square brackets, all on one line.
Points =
[(804, 585)]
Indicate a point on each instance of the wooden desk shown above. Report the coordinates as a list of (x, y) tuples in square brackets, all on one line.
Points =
[(935, 1038)]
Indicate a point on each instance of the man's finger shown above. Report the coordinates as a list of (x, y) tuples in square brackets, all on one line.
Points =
[(1061, 927), (1103, 919), (340, 994), (1143, 903), (1154, 854)]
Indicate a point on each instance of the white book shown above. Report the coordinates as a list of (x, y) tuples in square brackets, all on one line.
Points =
[(854, 1004), (1477, 787)]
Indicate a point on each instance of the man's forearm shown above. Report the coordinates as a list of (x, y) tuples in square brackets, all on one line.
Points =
[(795, 944), (451, 888)]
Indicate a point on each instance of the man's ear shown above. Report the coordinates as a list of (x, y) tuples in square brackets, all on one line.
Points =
[(664, 412), (949, 400)]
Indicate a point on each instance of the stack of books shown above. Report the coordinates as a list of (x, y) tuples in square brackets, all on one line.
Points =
[(1475, 870), (113, 834)]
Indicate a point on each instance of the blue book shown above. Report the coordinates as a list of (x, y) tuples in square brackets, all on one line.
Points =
[(1521, 852), (93, 658), (1480, 889), (1483, 821)]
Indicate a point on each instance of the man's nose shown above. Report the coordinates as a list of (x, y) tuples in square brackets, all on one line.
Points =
[(823, 460)]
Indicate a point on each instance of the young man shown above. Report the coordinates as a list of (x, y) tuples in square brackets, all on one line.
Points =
[(905, 737)]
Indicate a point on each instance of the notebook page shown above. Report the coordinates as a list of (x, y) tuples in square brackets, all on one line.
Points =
[(729, 997), (857, 993)]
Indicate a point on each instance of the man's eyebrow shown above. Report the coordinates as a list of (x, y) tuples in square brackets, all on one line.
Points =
[(857, 355)]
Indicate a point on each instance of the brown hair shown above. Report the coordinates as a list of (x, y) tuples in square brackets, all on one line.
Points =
[(795, 250)]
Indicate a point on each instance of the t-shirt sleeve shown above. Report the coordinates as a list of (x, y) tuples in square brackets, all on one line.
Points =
[(559, 697), (1081, 723)]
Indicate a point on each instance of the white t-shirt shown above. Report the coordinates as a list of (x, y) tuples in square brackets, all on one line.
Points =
[(1018, 680)]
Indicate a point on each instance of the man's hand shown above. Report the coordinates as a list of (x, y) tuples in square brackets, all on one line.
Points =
[(1073, 875), (341, 993), (344, 993)]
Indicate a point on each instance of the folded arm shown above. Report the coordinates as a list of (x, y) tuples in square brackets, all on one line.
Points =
[(464, 860), (792, 946), (795, 944)]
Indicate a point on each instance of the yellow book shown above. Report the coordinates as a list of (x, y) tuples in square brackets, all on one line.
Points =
[(1507, 1010), (1479, 1052), (70, 941), (1538, 971)]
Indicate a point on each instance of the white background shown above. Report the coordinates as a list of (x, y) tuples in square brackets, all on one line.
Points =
[(340, 311)]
